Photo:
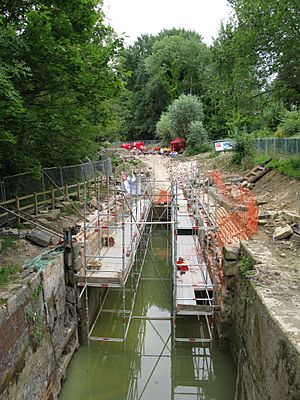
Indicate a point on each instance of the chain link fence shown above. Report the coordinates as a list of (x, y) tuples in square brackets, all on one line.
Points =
[(285, 146), (27, 183)]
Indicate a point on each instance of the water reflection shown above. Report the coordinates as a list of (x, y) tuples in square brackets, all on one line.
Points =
[(151, 366)]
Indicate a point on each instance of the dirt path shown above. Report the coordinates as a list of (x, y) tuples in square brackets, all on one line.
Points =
[(159, 165)]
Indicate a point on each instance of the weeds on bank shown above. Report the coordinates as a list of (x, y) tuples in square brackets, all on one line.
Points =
[(18, 225), (8, 273), (287, 166), (8, 242), (70, 209), (246, 265), (246, 270)]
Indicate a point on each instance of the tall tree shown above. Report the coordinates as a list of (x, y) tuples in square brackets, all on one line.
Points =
[(68, 69), (271, 29), (163, 66)]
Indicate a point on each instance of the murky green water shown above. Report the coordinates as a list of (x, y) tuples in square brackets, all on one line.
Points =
[(151, 366)]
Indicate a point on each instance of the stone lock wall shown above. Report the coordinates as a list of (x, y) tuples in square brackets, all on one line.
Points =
[(38, 333), (257, 327)]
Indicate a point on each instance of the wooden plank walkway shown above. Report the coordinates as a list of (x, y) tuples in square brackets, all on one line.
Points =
[(108, 264), (195, 279), (184, 217)]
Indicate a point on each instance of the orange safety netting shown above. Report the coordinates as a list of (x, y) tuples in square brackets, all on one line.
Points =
[(240, 224)]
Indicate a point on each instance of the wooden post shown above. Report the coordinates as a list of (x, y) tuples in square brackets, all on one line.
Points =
[(35, 203), (95, 186), (18, 209), (53, 199), (78, 190), (66, 192)]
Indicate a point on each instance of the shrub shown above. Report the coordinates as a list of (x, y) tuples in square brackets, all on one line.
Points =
[(243, 147), (197, 138), (289, 167), (290, 124), (163, 129)]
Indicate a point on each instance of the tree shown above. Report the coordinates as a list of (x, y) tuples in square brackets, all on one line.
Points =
[(163, 67), (197, 138), (177, 61), (163, 129), (182, 112), (270, 28), (69, 74)]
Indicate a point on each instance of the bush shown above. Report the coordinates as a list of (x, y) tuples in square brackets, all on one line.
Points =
[(290, 124), (289, 167), (163, 129), (243, 147), (262, 133), (197, 138)]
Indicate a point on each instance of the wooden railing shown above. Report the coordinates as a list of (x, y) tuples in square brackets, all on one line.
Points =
[(32, 202)]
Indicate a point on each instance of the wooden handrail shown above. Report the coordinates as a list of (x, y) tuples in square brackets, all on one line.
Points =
[(52, 194)]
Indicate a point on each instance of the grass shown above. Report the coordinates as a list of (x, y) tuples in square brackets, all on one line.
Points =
[(7, 273), (70, 209), (8, 242), (287, 166), (18, 225)]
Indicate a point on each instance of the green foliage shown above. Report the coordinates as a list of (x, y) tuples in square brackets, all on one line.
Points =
[(289, 167), (197, 138), (37, 328), (163, 67), (290, 124), (246, 265), (36, 324), (243, 147), (263, 29), (61, 78), (182, 112), (8, 242), (272, 115), (37, 291), (163, 129), (8, 273)]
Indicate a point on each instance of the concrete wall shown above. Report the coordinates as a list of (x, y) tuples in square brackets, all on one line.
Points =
[(38, 333)]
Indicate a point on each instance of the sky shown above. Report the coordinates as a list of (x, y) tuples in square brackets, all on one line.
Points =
[(136, 17)]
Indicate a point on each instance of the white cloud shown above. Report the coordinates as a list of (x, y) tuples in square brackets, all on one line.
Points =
[(135, 17)]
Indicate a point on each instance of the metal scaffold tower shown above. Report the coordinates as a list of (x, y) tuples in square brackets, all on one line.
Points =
[(112, 235), (194, 257)]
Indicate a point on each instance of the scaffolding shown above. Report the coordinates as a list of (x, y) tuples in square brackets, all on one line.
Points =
[(113, 234), (194, 257), (191, 373)]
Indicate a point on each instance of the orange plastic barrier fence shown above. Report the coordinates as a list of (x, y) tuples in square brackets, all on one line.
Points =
[(240, 224)]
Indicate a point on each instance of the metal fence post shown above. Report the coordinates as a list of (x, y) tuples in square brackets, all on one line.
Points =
[(285, 146), (61, 177), (2, 191)]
